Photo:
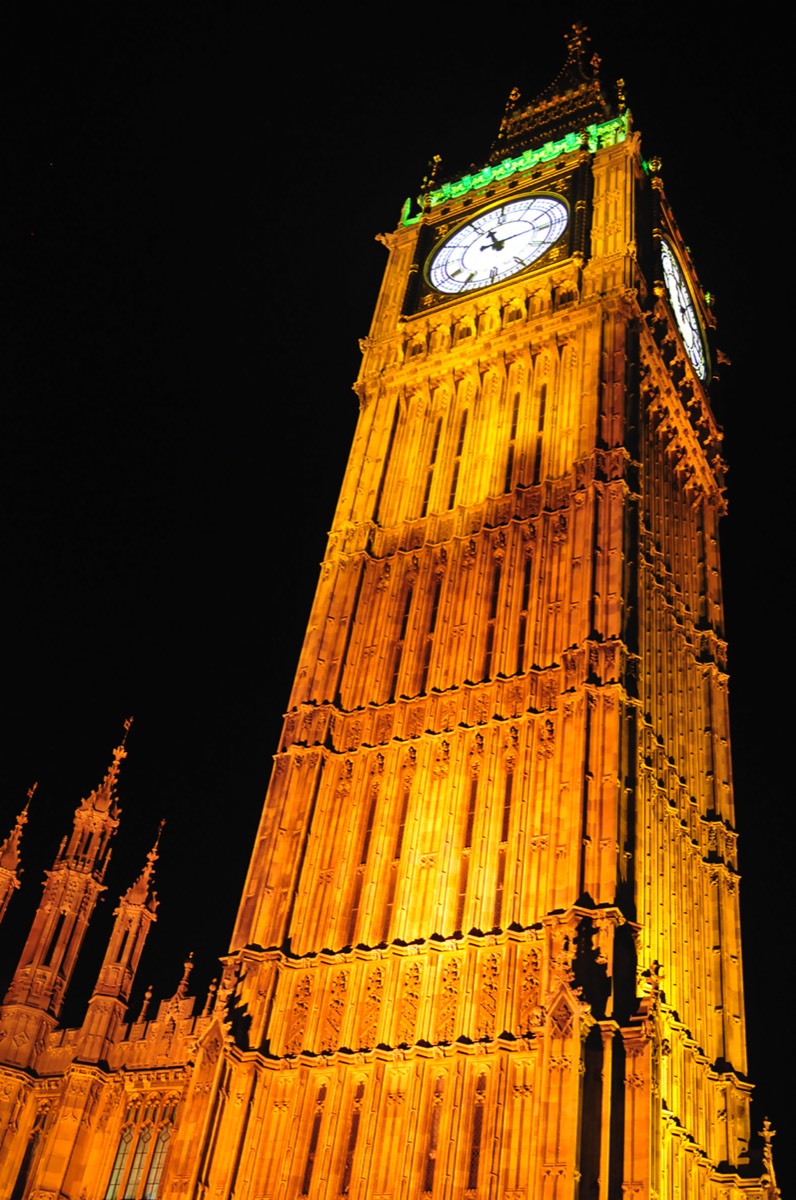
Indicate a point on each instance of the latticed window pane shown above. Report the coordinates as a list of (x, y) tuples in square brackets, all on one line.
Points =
[(139, 1161), (125, 1142), (156, 1166)]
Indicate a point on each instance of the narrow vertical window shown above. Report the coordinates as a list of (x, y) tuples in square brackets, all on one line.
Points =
[(460, 905), (457, 461), (471, 803), (396, 855), (155, 1175), (125, 1144), (490, 628), (399, 645), (477, 1133), (59, 924), (512, 451), (522, 639), (430, 635), (464, 868), (353, 1134), (433, 1136), (537, 458), (507, 793), (359, 878), (139, 1162), (500, 878), (312, 1148), (386, 466), (29, 1157), (497, 912), (430, 469)]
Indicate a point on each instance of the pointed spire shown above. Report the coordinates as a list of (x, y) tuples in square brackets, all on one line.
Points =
[(141, 891), (9, 849), (569, 104), (9, 857), (103, 798), (133, 919)]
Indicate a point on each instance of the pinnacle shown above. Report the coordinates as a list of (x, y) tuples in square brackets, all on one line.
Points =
[(9, 849)]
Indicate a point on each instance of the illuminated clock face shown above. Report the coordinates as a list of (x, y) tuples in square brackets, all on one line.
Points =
[(685, 313), (497, 244)]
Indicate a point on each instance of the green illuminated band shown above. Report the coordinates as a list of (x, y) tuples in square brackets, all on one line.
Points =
[(607, 133)]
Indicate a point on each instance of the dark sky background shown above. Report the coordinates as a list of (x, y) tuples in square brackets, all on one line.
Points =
[(189, 202)]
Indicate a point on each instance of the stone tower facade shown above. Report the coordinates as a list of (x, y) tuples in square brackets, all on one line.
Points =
[(488, 944)]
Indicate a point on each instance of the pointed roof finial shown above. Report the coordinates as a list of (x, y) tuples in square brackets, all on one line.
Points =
[(431, 174), (182, 989), (620, 95), (577, 40), (767, 1134), (9, 849), (103, 798), (141, 891)]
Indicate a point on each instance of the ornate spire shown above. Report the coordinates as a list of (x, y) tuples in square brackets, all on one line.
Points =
[(133, 919), (103, 798), (571, 102), (141, 891), (769, 1175), (71, 890), (9, 857), (9, 849)]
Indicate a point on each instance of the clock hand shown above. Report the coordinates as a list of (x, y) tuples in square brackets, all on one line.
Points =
[(496, 242)]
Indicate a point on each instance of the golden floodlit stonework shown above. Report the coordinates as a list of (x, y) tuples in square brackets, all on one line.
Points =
[(489, 941)]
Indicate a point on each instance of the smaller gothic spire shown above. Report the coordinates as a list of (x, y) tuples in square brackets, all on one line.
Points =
[(9, 849), (9, 857), (133, 919), (141, 891)]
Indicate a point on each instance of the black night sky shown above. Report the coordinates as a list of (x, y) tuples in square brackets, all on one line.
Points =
[(190, 198)]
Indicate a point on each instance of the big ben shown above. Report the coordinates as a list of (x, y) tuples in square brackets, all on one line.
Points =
[(490, 934), (489, 939)]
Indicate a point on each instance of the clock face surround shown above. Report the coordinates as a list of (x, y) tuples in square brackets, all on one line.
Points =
[(497, 243), (685, 313)]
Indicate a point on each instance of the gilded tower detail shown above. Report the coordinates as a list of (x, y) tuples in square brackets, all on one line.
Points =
[(489, 940)]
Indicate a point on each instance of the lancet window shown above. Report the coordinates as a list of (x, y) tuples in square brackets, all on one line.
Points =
[(353, 1134), (512, 450), (430, 469), (490, 628), (457, 458), (537, 456), (477, 1134), (433, 1135), (399, 645), (429, 646), (522, 639), (315, 1133)]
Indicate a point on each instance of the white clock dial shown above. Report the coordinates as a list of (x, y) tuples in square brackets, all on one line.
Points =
[(497, 243), (685, 313)]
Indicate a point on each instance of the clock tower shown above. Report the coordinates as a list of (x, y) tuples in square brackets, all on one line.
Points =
[(489, 940)]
